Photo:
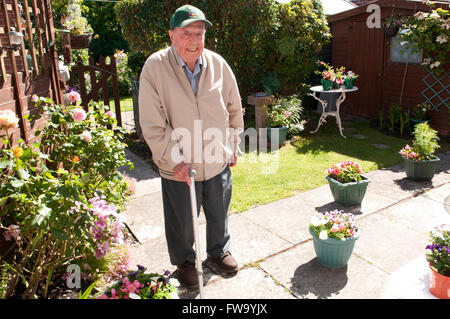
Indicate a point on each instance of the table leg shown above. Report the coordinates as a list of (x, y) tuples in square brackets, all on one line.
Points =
[(322, 118), (338, 118)]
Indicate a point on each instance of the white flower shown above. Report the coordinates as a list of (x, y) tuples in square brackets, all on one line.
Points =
[(323, 235), (315, 221), (441, 39), (420, 15), (132, 295), (435, 64)]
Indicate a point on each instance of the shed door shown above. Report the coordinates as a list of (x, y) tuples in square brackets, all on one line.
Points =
[(366, 60)]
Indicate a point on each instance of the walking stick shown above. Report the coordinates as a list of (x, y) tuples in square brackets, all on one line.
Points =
[(198, 262)]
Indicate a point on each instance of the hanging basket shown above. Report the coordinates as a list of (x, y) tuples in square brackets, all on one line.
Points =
[(80, 41), (391, 31)]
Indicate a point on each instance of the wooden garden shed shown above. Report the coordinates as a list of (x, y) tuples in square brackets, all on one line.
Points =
[(32, 66), (384, 80)]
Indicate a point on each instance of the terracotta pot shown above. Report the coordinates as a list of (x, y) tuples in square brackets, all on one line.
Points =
[(80, 41), (439, 285)]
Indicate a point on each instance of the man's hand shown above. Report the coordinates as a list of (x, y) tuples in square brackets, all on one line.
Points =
[(233, 161), (181, 173)]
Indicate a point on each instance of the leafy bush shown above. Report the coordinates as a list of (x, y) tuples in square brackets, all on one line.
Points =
[(425, 144), (268, 45), (49, 191)]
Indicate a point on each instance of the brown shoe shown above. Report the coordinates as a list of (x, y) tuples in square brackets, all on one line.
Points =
[(187, 275), (225, 263)]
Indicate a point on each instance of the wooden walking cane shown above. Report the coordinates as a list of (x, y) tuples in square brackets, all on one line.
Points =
[(198, 262)]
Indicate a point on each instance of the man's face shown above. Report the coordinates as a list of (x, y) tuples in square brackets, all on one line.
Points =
[(189, 41)]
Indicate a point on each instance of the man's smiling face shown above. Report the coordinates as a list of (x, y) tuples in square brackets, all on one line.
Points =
[(189, 42)]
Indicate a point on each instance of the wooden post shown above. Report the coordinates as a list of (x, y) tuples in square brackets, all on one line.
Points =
[(260, 103), (116, 92)]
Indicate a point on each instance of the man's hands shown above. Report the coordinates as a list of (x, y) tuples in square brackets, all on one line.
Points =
[(233, 161), (181, 171)]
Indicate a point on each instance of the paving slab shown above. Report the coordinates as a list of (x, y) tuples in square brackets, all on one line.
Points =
[(147, 181), (411, 281), (299, 271), (251, 242), (388, 243), (249, 283), (287, 218), (420, 213)]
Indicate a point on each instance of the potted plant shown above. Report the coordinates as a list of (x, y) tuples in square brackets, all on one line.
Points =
[(334, 236), (437, 254), (284, 117), (391, 25), (419, 159), (77, 25), (139, 285), (347, 185), (349, 79), (419, 114), (328, 76)]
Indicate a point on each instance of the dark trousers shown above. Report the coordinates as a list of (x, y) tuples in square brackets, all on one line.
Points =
[(214, 195)]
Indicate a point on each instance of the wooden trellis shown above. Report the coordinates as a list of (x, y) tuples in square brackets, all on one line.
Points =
[(33, 67), (437, 90)]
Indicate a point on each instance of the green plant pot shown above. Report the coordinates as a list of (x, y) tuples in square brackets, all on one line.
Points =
[(277, 135), (334, 253), (420, 170), (349, 193), (326, 84), (348, 83)]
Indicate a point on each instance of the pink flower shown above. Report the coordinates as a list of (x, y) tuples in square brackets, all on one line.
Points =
[(335, 228), (12, 232), (109, 114), (34, 98), (79, 115), (86, 136), (74, 96)]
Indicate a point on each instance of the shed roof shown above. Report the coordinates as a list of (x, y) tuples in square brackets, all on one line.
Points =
[(399, 4)]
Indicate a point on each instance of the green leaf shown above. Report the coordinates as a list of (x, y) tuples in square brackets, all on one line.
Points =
[(5, 164), (16, 183), (42, 212), (59, 234)]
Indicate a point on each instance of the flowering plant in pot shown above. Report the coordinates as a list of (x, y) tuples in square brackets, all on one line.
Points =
[(349, 79), (334, 235), (392, 24), (284, 116), (139, 285), (347, 185), (419, 114), (77, 25), (419, 159), (437, 253)]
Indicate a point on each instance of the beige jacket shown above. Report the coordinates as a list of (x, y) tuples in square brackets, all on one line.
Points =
[(177, 125)]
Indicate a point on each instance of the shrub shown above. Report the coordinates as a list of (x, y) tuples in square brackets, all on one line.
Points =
[(425, 143), (48, 191), (286, 111), (268, 45)]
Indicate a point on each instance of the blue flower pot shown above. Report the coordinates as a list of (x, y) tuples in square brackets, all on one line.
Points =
[(348, 194), (277, 135), (420, 171), (334, 253)]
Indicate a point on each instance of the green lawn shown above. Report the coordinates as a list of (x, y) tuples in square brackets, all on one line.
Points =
[(126, 104), (300, 165)]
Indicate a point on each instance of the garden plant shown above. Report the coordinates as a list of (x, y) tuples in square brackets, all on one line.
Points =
[(61, 196)]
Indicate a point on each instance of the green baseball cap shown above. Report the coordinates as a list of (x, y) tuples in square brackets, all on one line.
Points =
[(185, 15)]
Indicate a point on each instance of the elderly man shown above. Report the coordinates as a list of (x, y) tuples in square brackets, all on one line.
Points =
[(191, 117)]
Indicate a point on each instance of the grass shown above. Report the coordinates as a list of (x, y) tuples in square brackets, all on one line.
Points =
[(300, 165), (126, 104)]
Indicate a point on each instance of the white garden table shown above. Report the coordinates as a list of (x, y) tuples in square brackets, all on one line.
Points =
[(341, 98)]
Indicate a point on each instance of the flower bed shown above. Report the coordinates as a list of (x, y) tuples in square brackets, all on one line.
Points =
[(61, 197)]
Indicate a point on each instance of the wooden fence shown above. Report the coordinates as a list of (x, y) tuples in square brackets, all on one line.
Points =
[(99, 74)]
